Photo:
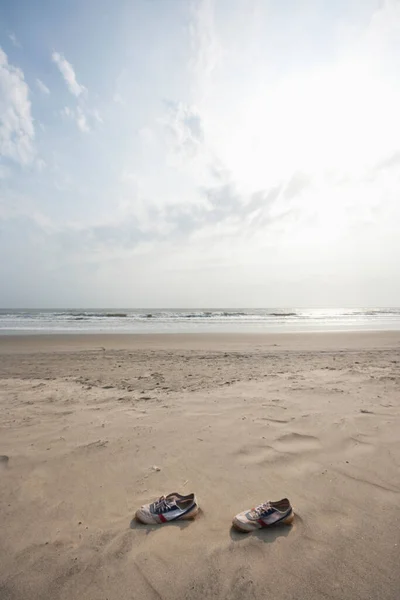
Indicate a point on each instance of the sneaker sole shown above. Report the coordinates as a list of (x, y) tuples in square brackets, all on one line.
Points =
[(242, 527), (192, 514)]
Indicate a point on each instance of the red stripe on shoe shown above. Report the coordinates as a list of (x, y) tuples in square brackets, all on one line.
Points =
[(262, 523), (162, 519)]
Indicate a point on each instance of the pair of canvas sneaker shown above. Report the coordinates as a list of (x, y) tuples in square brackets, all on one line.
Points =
[(174, 507)]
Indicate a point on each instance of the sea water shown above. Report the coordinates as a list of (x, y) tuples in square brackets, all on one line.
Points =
[(262, 320)]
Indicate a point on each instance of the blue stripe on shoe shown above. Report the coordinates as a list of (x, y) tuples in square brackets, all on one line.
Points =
[(278, 521), (183, 513)]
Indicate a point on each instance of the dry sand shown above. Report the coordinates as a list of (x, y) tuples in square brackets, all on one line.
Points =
[(238, 420)]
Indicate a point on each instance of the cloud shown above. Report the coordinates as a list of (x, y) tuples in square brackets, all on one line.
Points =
[(42, 87), (223, 200), (390, 162), (14, 40), (227, 209), (78, 116), (67, 112), (297, 184), (81, 120), (96, 115), (16, 129), (257, 210), (67, 71), (184, 128), (83, 116), (207, 50), (15, 204)]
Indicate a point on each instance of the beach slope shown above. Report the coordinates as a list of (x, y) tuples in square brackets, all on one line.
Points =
[(91, 427)]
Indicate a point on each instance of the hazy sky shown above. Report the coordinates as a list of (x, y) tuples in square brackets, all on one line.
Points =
[(199, 153)]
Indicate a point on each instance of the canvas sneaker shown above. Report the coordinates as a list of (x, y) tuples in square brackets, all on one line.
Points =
[(168, 508), (265, 515)]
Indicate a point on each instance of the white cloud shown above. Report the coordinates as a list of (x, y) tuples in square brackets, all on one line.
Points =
[(67, 71), (14, 40), (84, 116), (207, 49), (78, 116), (81, 120), (184, 128), (42, 87), (96, 115), (66, 112), (16, 128)]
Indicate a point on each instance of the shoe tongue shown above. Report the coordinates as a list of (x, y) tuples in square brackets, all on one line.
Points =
[(171, 500)]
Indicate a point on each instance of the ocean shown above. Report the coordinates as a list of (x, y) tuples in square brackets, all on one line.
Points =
[(263, 320)]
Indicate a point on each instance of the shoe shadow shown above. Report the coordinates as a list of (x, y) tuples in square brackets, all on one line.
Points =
[(267, 535)]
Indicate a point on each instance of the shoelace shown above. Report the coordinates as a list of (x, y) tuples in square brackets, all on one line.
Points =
[(258, 510), (163, 503)]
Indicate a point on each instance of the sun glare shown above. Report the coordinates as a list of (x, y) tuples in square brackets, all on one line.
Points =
[(335, 120)]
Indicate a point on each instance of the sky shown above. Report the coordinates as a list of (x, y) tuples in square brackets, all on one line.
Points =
[(199, 153)]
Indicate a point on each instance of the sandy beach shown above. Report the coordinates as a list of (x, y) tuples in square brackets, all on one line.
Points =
[(93, 426)]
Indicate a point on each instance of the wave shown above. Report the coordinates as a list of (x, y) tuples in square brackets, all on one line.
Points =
[(210, 315), (271, 316), (372, 312), (86, 315)]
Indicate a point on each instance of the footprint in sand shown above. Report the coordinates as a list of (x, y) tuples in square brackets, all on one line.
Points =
[(279, 421), (275, 422), (258, 454), (297, 442)]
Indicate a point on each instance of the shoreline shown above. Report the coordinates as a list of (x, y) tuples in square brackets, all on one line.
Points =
[(284, 341)]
